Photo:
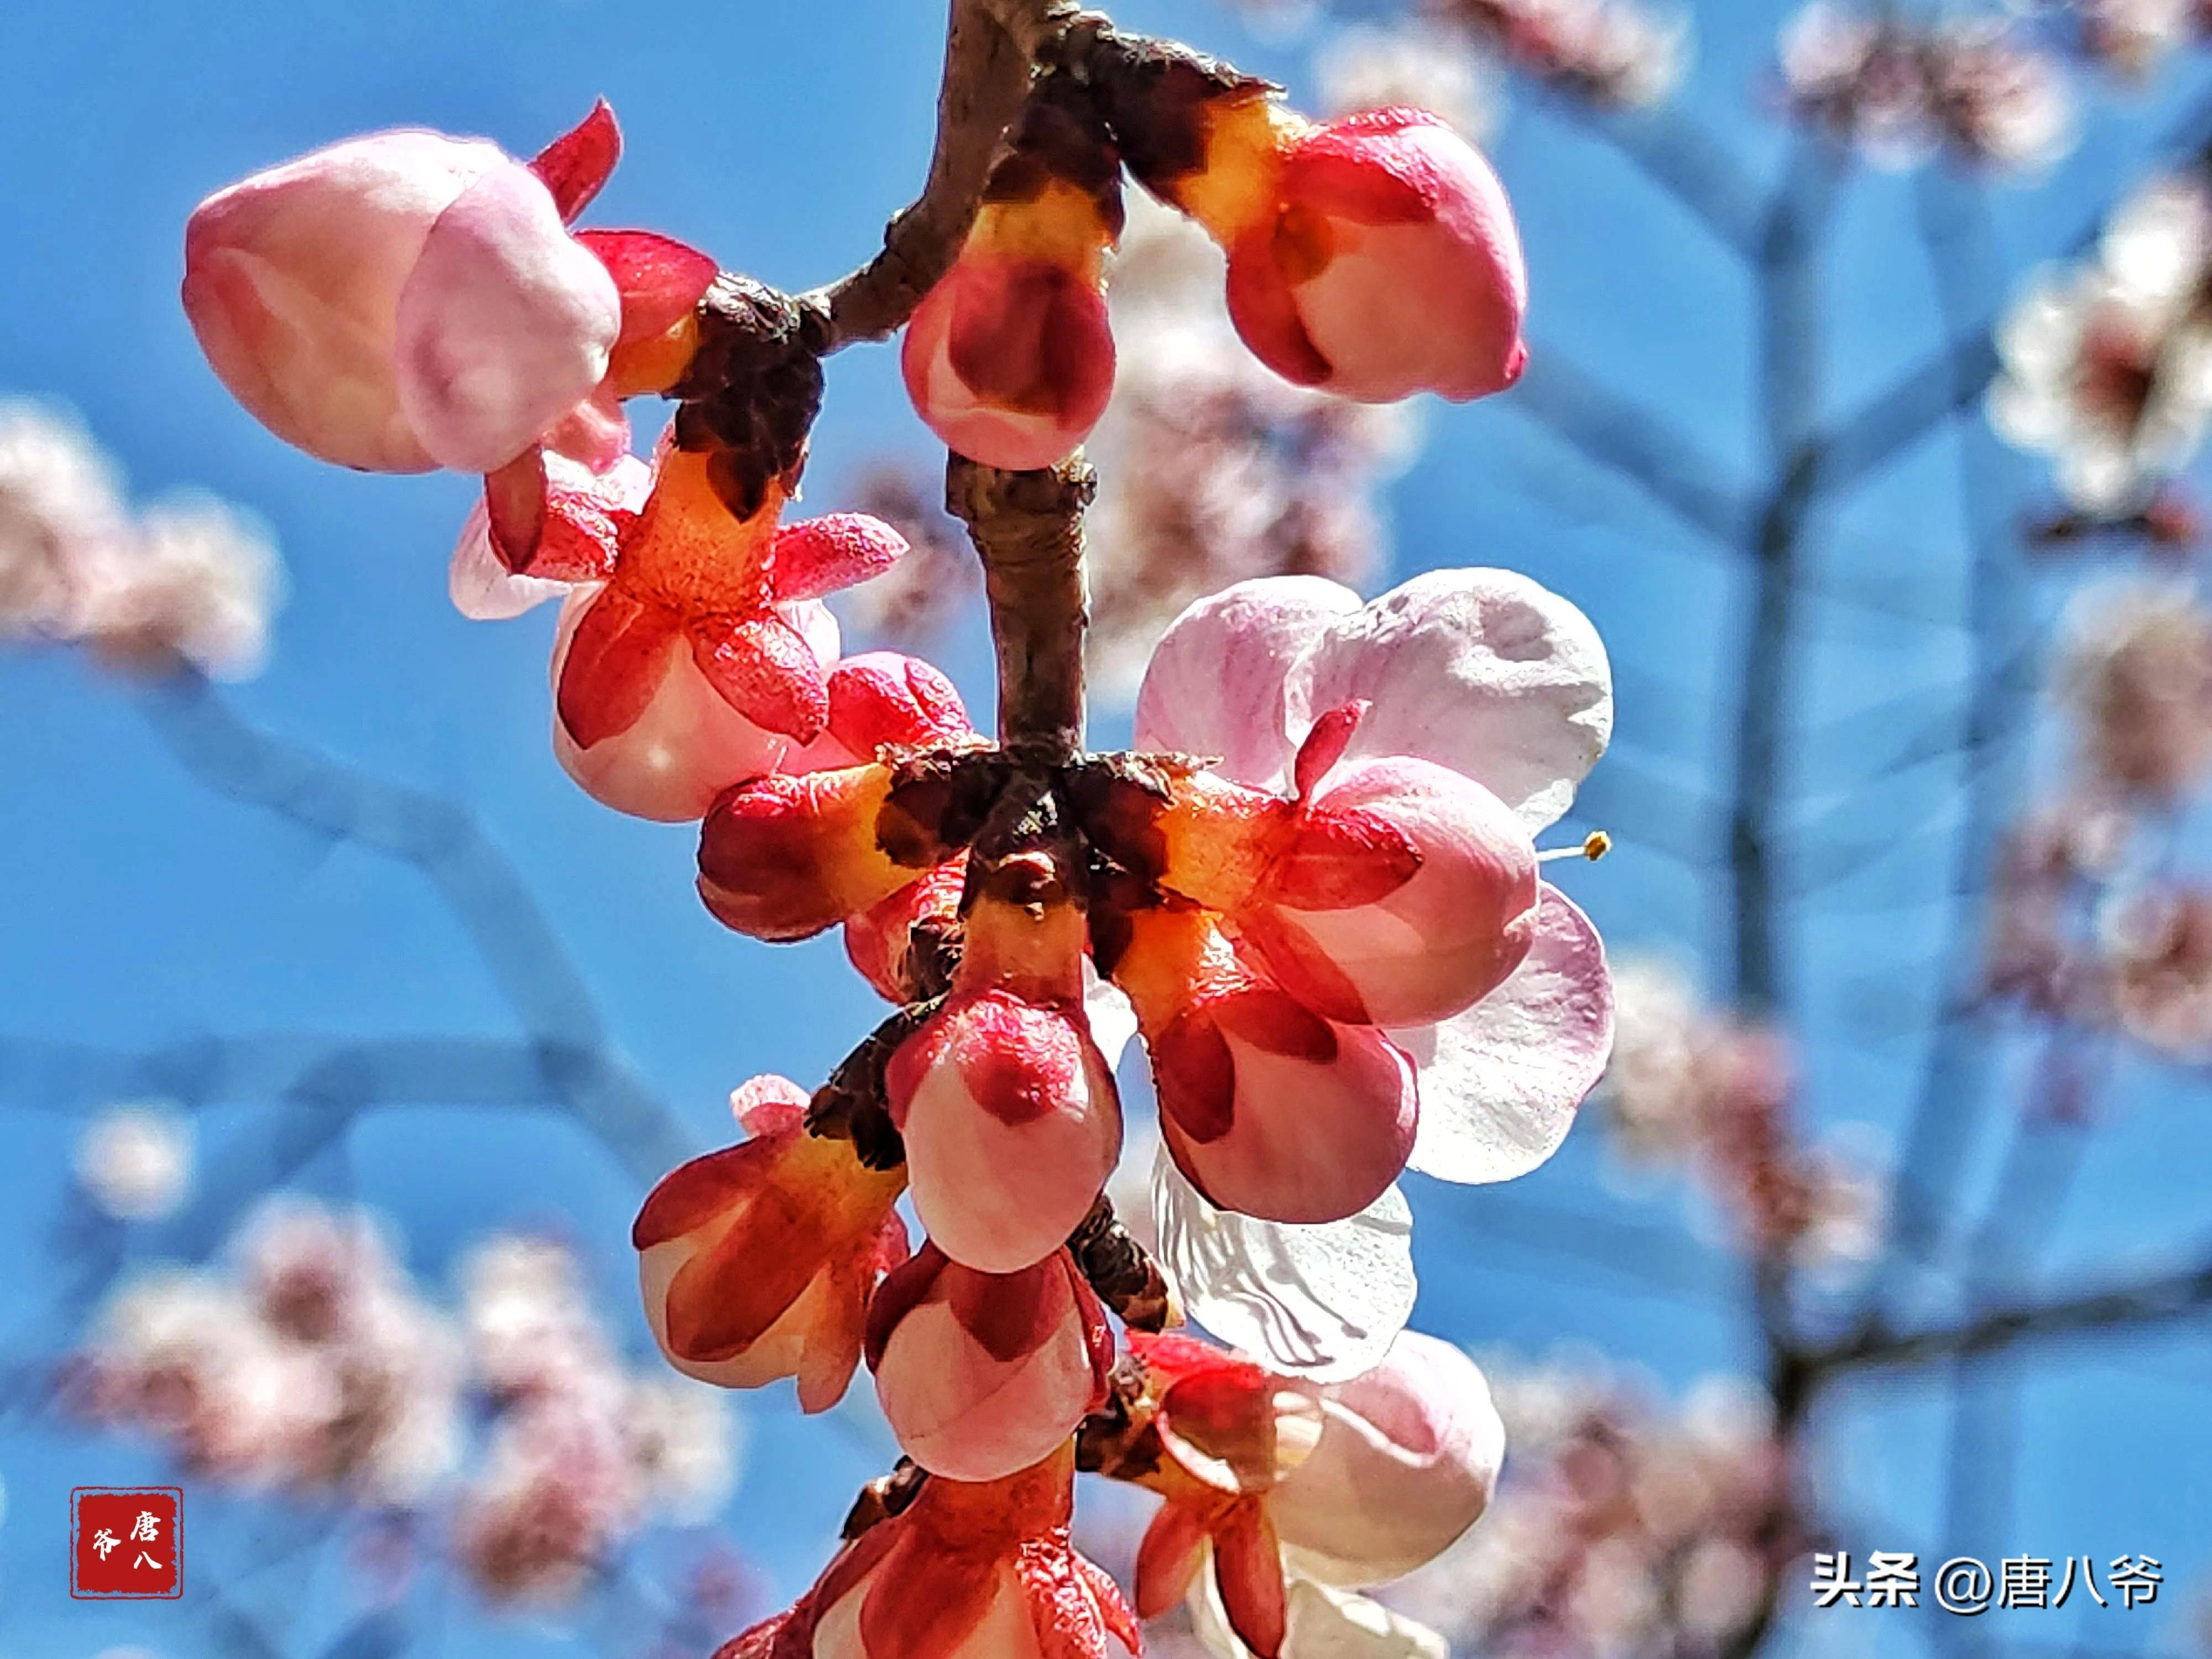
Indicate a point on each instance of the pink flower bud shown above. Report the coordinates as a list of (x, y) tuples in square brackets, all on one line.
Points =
[(983, 1373), (884, 700), (1408, 1457), (1008, 1109), (756, 1261), (970, 1570), (1390, 264), (679, 742), (1266, 1107), (399, 302), (1408, 893), (784, 857), (1009, 359)]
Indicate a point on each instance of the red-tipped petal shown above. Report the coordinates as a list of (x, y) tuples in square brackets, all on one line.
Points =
[(698, 1191), (762, 669), (1247, 1567), (1167, 1557), (901, 1290), (576, 165), (1196, 1076), (514, 507), (660, 279), (818, 557), (1325, 744), (616, 658)]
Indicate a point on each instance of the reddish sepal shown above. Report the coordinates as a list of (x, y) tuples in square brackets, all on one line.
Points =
[(1248, 1569), (1325, 744), (660, 279), (515, 508), (576, 166), (615, 661), (1341, 858), (818, 557), (762, 669), (1265, 312)]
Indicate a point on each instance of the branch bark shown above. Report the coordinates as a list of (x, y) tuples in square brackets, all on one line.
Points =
[(1028, 531)]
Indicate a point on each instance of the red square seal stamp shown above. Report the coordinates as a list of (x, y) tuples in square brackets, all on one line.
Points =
[(127, 1543)]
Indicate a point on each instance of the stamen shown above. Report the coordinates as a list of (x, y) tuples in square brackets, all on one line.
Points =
[(1595, 846)]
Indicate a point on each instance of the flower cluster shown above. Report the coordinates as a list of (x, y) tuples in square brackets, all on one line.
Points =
[(2133, 38), (186, 580), (1312, 886), (1898, 90), (1618, 53), (311, 1364), (134, 1161), (1689, 1089), (2108, 362), (1624, 1527)]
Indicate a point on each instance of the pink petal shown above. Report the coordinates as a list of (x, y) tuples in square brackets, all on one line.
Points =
[(1407, 1460), (1010, 361), (595, 432), (1012, 1126), (1484, 671), (660, 280), (504, 323), (1500, 1083), (576, 166), (292, 283), (985, 1374), (1216, 682), (815, 557)]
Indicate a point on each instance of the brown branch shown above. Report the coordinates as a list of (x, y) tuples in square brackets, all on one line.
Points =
[(990, 55), (1028, 531)]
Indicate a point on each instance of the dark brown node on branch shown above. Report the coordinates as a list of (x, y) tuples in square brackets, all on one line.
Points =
[(939, 801), (1118, 1440), (853, 1106), (1061, 137), (1121, 1271), (1158, 96), (753, 389), (885, 1496), (1028, 531)]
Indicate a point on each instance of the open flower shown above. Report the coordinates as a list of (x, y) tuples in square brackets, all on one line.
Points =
[(1480, 674), (969, 1571), (1009, 358), (980, 1375), (1374, 256), (1278, 1484), (756, 1262), (1008, 1109)]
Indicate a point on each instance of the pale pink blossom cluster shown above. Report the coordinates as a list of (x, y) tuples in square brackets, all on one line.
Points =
[(1695, 1091), (1620, 53), (134, 1160), (189, 580), (1422, 64), (1898, 90), (310, 1363), (2107, 363), (1627, 1527), (2134, 38), (2134, 682), (1214, 469)]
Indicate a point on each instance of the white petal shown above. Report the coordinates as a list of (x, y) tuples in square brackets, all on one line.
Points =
[(1323, 1624), (1485, 672), (483, 588), (1216, 681), (1323, 1302), (1113, 1021), (1500, 1083)]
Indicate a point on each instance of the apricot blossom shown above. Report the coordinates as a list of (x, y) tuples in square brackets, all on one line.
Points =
[(980, 1375), (756, 1262), (1479, 673)]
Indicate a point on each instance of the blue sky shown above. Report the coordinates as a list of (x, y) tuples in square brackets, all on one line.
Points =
[(141, 909)]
